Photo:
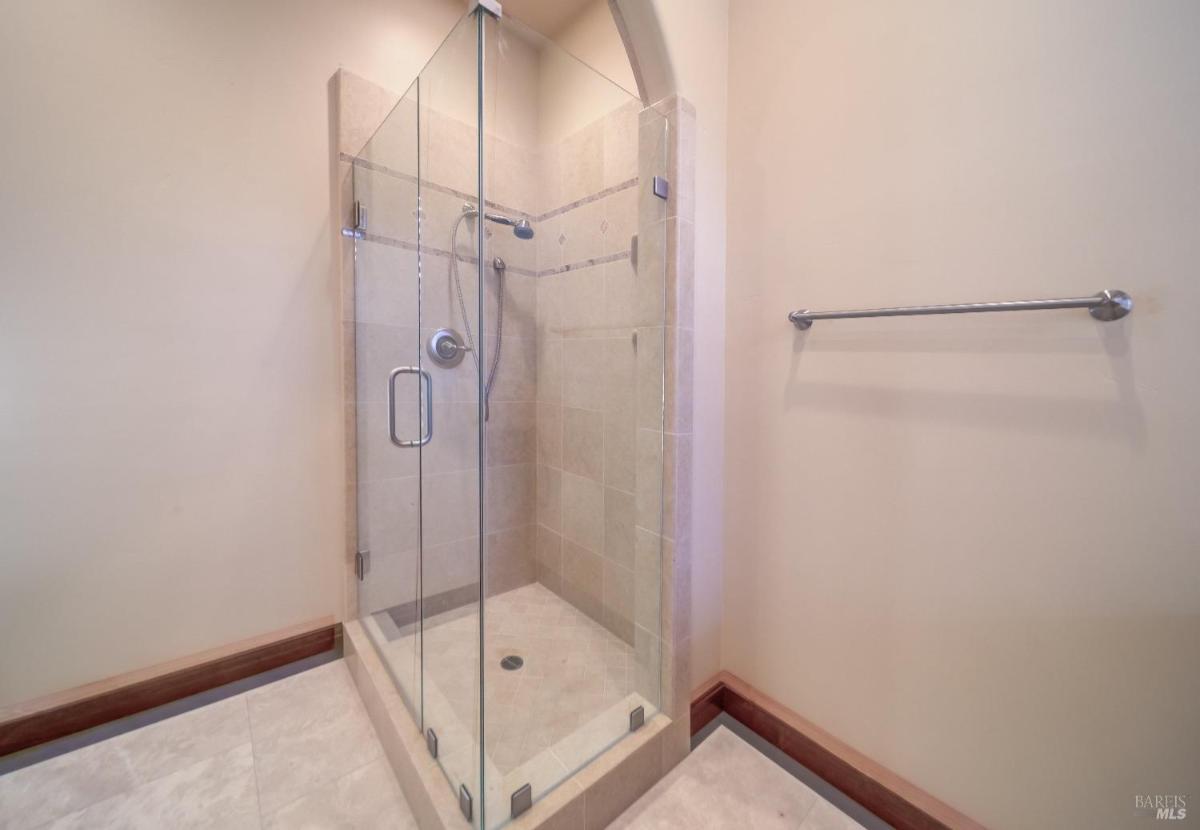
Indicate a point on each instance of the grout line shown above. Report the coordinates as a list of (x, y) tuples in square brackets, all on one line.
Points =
[(253, 757)]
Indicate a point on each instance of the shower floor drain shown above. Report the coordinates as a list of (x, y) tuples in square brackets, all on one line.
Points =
[(511, 663)]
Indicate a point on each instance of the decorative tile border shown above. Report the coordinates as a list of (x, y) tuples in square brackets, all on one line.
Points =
[(595, 197), (450, 191), (472, 260)]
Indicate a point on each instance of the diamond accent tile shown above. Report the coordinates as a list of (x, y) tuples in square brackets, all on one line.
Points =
[(562, 239)]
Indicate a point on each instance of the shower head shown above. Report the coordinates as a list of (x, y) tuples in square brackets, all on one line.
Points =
[(521, 227)]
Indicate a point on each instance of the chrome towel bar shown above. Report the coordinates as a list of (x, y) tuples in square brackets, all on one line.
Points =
[(1106, 306)]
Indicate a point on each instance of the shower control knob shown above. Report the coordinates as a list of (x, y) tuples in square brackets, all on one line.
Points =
[(446, 347)]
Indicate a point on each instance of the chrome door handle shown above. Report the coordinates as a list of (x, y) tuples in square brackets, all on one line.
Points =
[(427, 382)]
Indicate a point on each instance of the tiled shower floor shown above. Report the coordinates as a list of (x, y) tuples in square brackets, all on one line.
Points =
[(569, 701)]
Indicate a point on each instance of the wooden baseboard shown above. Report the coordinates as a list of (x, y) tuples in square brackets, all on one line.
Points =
[(65, 713), (890, 797)]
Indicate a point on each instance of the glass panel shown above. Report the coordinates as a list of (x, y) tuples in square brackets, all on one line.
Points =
[(574, 437), (387, 337), (419, 505), (450, 462)]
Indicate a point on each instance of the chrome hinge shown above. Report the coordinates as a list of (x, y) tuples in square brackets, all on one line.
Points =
[(359, 231), (431, 741), (492, 7), (464, 801), (521, 800), (661, 187), (637, 718), (362, 564)]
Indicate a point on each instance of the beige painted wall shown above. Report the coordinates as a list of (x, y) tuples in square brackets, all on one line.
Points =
[(968, 545), (170, 426), (696, 33)]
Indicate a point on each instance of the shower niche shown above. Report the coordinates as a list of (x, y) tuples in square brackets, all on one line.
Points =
[(508, 329)]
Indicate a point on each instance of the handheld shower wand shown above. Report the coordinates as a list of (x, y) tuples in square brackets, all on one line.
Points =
[(522, 230)]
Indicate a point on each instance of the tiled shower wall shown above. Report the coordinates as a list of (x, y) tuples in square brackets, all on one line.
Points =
[(599, 374), (442, 479)]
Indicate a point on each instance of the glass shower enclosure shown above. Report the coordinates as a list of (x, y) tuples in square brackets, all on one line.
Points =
[(509, 359)]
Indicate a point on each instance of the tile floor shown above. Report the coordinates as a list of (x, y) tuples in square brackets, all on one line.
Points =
[(296, 753), (300, 753), (727, 783)]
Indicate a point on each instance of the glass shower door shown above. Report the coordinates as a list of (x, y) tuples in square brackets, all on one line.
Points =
[(418, 403), (451, 355)]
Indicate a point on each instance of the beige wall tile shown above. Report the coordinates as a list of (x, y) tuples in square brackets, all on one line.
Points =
[(549, 497), (648, 489), (449, 152), (619, 515), (618, 600), (680, 270), (583, 302), (621, 219), (682, 163), (648, 664), (511, 433), (583, 443), (387, 515), (620, 379), (676, 594), (510, 496), (677, 489), (679, 369), (377, 350), (449, 506), (583, 374), (581, 163), (448, 566), (583, 511), (391, 204), (549, 239), (549, 173), (583, 579), (621, 144), (620, 453), (549, 434), (384, 279), (648, 580), (549, 559), (549, 307), (455, 443), (510, 559), (651, 358), (376, 456), (362, 106), (516, 379), (584, 228), (609, 795), (550, 370), (391, 581)]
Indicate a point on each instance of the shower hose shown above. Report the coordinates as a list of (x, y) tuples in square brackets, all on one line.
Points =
[(462, 305)]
